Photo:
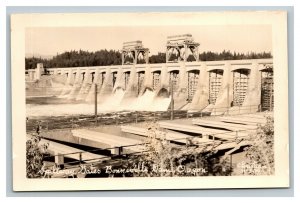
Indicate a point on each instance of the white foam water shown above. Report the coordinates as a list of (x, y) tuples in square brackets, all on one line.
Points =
[(160, 104), (113, 103), (142, 103), (146, 102)]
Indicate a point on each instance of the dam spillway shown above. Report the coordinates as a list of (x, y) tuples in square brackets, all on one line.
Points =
[(215, 86)]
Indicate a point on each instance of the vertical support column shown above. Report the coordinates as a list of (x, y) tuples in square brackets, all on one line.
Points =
[(83, 90), (31, 75), (167, 55), (132, 86), (107, 87), (59, 160), (180, 95), (119, 79), (135, 56), (200, 99), (147, 57), (253, 95), (225, 95), (179, 54), (39, 68), (185, 53), (147, 80), (96, 111), (197, 53), (70, 77), (164, 80), (90, 95), (55, 72), (123, 58), (172, 99), (76, 85)]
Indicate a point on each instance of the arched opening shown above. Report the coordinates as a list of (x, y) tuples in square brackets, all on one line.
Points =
[(267, 89), (83, 75), (101, 78), (240, 86), (93, 76), (193, 78), (174, 79), (147, 88), (74, 76), (126, 77), (114, 78), (140, 81), (156, 79), (118, 89), (215, 82), (164, 93)]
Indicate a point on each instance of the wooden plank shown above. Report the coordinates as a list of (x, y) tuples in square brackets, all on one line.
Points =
[(242, 120), (221, 134), (261, 116), (219, 124), (57, 148), (113, 141), (230, 145), (170, 136)]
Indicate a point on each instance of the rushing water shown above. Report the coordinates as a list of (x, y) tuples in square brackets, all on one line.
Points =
[(58, 106)]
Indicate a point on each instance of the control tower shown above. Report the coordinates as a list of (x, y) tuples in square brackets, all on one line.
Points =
[(183, 45), (133, 49)]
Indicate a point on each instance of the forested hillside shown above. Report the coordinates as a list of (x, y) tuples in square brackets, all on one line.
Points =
[(111, 57)]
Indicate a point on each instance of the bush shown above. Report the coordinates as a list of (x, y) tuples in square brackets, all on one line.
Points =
[(34, 157), (163, 159), (259, 158)]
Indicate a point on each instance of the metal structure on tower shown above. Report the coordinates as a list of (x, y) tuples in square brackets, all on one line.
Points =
[(133, 50), (182, 46)]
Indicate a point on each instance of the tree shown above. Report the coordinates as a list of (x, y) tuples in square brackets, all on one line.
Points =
[(163, 159), (105, 57), (159, 58), (259, 158), (34, 156)]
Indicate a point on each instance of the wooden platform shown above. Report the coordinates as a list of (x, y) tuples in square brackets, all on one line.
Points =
[(170, 136), (55, 148), (253, 116), (111, 141), (221, 134), (243, 120), (220, 124)]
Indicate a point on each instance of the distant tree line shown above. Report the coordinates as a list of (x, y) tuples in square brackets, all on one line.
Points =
[(111, 57)]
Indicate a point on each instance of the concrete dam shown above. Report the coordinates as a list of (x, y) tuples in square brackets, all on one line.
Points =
[(196, 85), (210, 86)]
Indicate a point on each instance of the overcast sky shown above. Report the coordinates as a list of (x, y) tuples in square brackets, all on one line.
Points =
[(239, 38)]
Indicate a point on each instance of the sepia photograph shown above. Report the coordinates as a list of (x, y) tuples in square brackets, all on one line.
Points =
[(165, 100)]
